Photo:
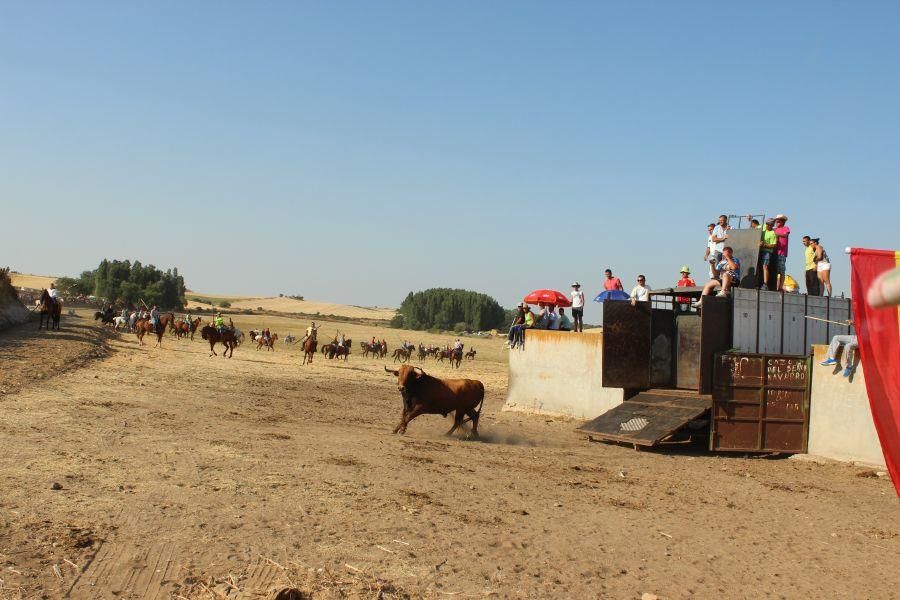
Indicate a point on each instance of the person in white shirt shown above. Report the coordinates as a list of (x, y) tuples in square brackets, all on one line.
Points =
[(553, 319), (577, 307), (52, 292), (640, 292), (718, 236)]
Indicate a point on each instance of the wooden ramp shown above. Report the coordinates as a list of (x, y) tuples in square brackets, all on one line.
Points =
[(648, 418)]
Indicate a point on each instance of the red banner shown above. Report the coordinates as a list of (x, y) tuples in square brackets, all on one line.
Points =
[(878, 330)]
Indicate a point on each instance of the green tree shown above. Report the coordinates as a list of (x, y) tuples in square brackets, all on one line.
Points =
[(445, 308)]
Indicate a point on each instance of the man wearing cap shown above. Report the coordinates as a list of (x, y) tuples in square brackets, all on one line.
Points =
[(682, 302), (577, 307), (782, 231), (812, 275), (766, 249)]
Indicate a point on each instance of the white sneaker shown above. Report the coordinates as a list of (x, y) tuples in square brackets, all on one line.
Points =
[(721, 295)]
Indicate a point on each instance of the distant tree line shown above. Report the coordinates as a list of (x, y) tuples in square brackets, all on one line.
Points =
[(129, 283), (446, 309)]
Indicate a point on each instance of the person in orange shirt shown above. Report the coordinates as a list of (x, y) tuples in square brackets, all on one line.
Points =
[(682, 302)]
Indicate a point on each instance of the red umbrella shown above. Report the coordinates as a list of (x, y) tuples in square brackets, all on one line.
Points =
[(548, 297)]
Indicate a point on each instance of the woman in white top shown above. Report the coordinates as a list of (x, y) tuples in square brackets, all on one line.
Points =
[(577, 307)]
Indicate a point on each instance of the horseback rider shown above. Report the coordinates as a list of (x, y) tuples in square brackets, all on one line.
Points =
[(311, 332), (266, 335), (53, 294), (219, 323), (154, 317), (340, 340)]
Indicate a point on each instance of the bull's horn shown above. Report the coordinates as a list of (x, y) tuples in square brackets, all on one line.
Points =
[(389, 371), (419, 370)]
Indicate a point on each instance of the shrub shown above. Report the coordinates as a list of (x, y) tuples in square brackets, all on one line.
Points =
[(397, 321), (225, 304)]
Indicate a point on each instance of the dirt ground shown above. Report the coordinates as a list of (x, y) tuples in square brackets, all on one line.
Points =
[(134, 472)]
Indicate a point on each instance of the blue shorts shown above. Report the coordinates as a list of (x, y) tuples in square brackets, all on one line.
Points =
[(765, 256), (781, 264)]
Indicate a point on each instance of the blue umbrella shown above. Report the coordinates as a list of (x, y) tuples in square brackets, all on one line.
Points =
[(612, 295)]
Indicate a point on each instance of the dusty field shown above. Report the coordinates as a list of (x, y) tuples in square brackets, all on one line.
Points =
[(188, 476)]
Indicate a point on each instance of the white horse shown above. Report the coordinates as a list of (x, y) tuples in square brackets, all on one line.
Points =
[(239, 335), (120, 322)]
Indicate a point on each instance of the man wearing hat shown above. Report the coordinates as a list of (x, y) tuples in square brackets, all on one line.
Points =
[(782, 231), (812, 275), (682, 302), (766, 249), (577, 307)]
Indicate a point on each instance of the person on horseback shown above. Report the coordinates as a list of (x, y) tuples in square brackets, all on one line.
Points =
[(311, 332), (340, 340), (154, 317), (219, 323), (266, 335)]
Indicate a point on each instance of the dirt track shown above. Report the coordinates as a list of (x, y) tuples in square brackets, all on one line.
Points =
[(184, 475)]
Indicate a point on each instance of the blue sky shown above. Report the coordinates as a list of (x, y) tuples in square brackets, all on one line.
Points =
[(355, 151)]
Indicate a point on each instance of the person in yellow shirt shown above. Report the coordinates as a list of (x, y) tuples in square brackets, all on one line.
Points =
[(766, 251), (812, 276)]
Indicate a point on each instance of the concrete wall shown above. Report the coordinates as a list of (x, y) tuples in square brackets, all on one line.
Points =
[(558, 373), (840, 425)]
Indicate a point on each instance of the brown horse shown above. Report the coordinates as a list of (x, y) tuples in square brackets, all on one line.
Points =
[(144, 326), (309, 350), (268, 343), (227, 338), (52, 308), (341, 351), (401, 354)]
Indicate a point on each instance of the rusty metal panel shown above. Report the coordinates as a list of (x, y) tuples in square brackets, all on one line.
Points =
[(715, 336), (794, 324), (662, 345), (687, 352), (648, 418), (626, 345), (744, 320), (760, 403)]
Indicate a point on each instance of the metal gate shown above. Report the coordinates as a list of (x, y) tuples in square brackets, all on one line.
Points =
[(760, 403), (626, 344)]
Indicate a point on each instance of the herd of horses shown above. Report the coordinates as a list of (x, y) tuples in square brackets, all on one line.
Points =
[(233, 337)]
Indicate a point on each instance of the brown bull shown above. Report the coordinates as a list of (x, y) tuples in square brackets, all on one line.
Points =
[(426, 395)]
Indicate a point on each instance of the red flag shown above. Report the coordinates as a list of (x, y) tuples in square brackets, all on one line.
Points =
[(878, 330)]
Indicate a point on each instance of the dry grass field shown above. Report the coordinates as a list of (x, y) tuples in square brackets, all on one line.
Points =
[(290, 305), (134, 472), (31, 281)]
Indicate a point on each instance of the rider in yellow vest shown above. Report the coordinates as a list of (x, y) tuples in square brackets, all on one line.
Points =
[(219, 323)]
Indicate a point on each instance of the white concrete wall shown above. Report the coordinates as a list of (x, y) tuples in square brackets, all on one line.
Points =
[(840, 420), (558, 373)]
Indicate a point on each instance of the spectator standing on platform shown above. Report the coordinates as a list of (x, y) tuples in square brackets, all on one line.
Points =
[(823, 266), (577, 307), (612, 283), (782, 232), (640, 292), (682, 302), (812, 275), (766, 250), (709, 257), (718, 237)]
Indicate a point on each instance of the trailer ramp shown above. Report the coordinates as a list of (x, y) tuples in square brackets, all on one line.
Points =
[(648, 418)]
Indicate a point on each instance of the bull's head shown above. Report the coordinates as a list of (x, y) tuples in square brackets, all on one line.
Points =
[(407, 377)]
